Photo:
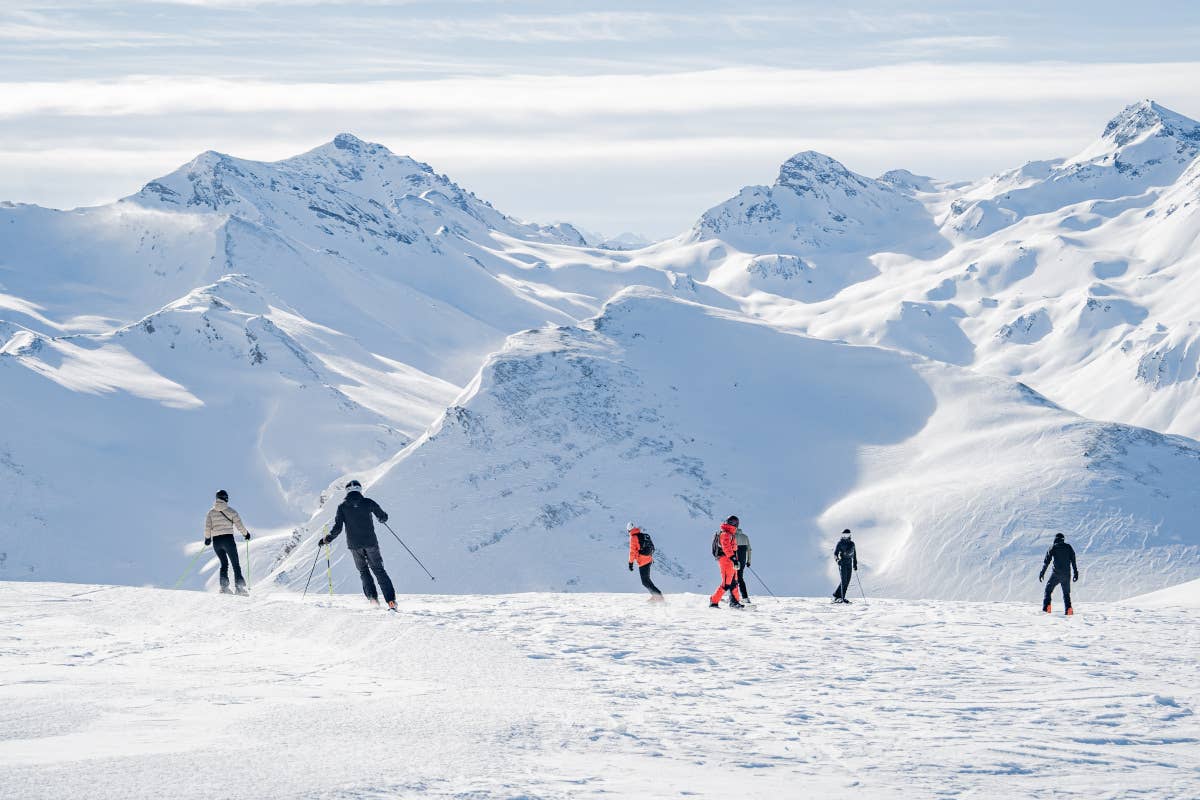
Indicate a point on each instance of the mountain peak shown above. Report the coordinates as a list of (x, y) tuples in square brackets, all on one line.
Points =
[(352, 144), (1148, 117), (816, 174)]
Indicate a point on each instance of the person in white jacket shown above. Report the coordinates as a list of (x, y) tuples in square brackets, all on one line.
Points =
[(219, 526)]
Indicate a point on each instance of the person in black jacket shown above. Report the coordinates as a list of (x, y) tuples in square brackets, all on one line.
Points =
[(355, 515), (846, 556), (1063, 556)]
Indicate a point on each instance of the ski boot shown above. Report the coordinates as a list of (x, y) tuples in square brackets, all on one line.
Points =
[(1070, 611), (242, 591), (226, 590), (714, 605), (391, 605), (1046, 608), (735, 604)]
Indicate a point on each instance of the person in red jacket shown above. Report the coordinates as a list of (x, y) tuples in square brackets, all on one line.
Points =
[(641, 552), (725, 551)]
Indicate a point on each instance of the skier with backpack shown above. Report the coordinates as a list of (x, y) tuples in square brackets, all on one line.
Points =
[(219, 525), (743, 563), (354, 514), (641, 552), (725, 551), (1063, 556), (846, 556)]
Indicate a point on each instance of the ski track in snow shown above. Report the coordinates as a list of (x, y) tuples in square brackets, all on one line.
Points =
[(128, 692)]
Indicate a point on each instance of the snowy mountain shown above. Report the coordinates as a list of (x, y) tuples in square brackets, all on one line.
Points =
[(1073, 275), (272, 327), (812, 233), (650, 413), (258, 327)]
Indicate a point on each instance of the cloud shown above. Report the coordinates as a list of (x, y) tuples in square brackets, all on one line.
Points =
[(529, 96)]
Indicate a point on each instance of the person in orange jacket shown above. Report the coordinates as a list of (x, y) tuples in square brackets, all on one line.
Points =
[(725, 551), (641, 552)]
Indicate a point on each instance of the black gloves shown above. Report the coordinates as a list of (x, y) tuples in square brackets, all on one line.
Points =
[(247, 536), (1076, 578), (207, 542), (1041, 576), (323, 540), (856, 567), (631, 566)]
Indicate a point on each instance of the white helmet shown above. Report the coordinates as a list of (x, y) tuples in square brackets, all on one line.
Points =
[(629, 526)]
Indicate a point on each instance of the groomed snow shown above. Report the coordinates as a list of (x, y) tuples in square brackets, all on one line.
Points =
[(127, 692)]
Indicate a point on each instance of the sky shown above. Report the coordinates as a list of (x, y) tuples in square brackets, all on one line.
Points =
[(614, 116)]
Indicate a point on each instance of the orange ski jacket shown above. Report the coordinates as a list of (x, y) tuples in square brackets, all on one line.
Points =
[(634, 545)]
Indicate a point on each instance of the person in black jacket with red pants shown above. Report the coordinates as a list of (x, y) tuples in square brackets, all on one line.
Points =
[(1063, 556), (355, 515)]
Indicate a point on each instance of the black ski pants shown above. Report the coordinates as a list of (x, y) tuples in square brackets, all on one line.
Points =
[(644, 571), (368, 560), (742, 581), (847, 569), (225, 546), (1058, 580)]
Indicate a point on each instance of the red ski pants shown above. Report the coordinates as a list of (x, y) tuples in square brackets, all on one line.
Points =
[(728, 581)]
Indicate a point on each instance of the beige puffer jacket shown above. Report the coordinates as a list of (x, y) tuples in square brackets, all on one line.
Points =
[(221, 521)]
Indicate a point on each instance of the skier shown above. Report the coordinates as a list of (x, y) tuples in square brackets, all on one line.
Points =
[(219, 525), (743, 560), (641, 552), (354, 514), (724, 549), (1063, 556), (846, 556)]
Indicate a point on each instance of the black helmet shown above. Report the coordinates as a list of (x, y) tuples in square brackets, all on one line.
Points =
[(353, 486), (223, 495), (733, 521), (1058, 537), (846, 532)]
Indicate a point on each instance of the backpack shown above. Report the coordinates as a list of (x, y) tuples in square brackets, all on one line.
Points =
[(716, 548), (645, 544)]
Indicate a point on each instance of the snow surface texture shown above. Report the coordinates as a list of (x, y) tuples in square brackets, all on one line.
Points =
[(270, 328), (127, 692)]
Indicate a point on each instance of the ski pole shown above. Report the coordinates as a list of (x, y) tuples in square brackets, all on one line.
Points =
[(329, 570), (860, 589), (247, 562), (410, 552), (311, 571), (760, 580), (191, 566)]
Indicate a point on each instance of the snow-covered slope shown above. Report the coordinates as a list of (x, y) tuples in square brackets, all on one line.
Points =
[(1184, 595), (1076, 276), (118, 692), (675, 415)]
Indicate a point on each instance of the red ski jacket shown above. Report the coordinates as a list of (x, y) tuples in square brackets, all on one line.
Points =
[(728, 541)]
